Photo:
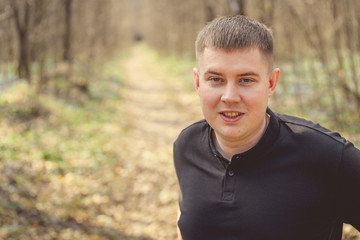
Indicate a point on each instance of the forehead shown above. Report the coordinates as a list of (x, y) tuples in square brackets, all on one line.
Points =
[(236, 59)]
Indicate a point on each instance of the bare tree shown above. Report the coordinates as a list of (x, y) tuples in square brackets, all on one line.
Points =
[(21, 14), (315, 38), (350, 45), (267, 12), (67, 32)]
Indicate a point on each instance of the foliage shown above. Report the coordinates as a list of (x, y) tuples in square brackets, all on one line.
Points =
[(51, 151), (19, 105)]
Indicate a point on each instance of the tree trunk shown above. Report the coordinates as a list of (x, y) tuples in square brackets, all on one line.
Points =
[(317, 41), (67, 34), (349, 44), (210, 13), (22, 29), (268, 8)]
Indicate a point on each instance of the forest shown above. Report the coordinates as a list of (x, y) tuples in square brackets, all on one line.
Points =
[(85, 149)]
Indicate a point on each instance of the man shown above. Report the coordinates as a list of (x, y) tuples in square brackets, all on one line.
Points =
[(246, 172)]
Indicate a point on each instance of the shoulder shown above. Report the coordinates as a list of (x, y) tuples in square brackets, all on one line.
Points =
[(317, 144), (193, 130), (196, 126), (305, 128)]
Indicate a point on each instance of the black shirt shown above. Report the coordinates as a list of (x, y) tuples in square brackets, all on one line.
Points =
[(300, 181)]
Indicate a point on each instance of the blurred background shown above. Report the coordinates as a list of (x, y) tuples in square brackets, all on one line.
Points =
[(94, 92)]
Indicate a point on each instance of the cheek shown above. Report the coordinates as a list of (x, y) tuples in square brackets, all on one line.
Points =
[(260, 92), (256, 97), (209, 97)]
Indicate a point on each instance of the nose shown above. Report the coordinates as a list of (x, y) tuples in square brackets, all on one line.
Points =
[(230, 94)]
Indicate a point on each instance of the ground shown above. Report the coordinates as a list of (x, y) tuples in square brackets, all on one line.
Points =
[(157, 106), (103, 170)]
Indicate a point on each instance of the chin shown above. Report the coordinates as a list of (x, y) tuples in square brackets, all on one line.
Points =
[(231, 133)]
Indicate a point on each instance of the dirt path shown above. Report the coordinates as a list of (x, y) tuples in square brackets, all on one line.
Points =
[(156, 107)]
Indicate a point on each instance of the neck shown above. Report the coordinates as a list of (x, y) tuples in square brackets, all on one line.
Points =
[(230, 147)]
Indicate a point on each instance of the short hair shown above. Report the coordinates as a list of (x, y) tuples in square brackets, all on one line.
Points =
[(235, 32)]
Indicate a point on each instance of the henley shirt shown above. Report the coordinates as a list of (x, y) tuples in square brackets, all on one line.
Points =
[(300, 181)]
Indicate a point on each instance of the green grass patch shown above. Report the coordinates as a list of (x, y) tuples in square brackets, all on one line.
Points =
[(51, 144), (178, 67), (44, 128)]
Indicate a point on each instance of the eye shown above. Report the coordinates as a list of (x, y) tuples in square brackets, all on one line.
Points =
[(215, 79), (246, 81)]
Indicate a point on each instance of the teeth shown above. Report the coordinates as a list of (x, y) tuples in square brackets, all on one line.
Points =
[(231, 114)]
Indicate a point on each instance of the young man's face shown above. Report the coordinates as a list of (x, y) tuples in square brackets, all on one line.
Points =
[(234, 87)]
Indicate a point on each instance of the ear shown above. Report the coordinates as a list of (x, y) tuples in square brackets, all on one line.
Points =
[(273, 81), (196, 79)]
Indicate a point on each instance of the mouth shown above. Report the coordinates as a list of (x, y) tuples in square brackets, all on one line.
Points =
[(231, 115)]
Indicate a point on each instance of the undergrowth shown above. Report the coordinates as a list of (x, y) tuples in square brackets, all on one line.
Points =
[(45, 140)]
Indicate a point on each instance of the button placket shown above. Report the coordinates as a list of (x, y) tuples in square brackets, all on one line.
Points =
[(229, 186)]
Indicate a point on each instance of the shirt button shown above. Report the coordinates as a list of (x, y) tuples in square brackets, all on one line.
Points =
[(231, 173), (228, 196)]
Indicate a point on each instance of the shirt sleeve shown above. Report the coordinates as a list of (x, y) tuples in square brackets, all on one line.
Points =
[(348, 196)]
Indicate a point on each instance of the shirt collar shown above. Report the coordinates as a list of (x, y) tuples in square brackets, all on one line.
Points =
[(253, 155)]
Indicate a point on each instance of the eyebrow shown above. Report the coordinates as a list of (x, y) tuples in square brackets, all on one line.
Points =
[(213, 72), (239, 75)]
